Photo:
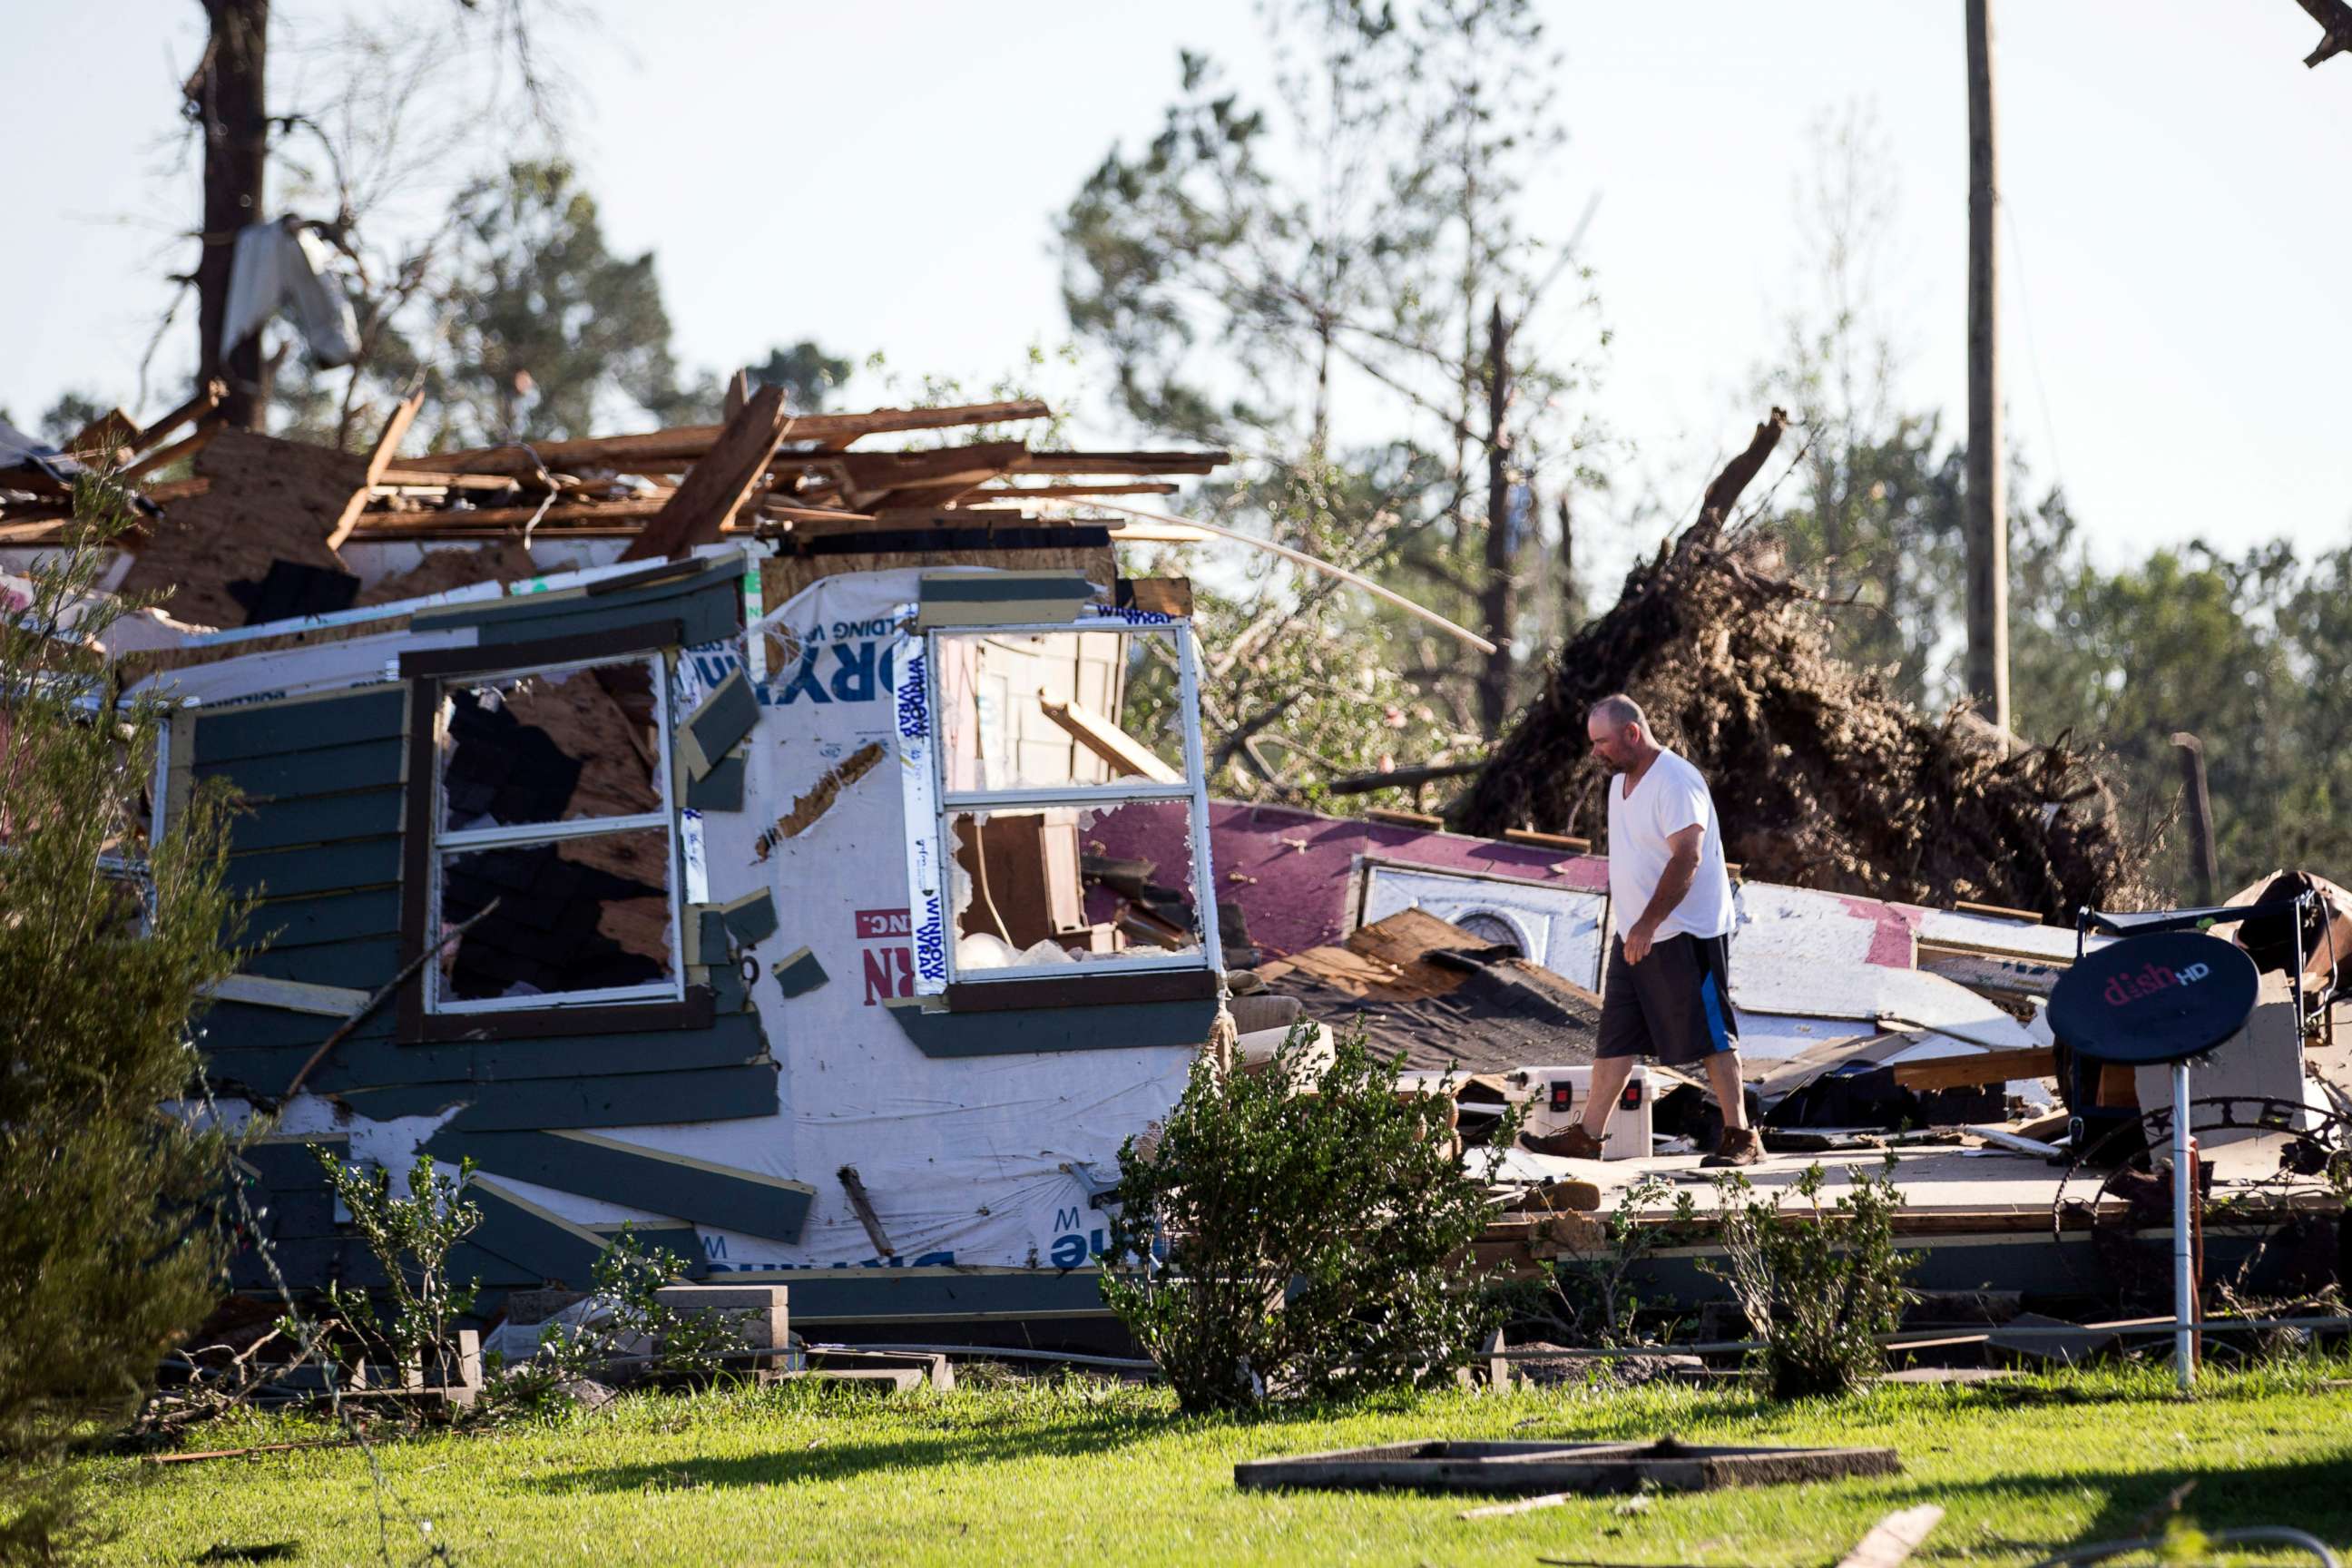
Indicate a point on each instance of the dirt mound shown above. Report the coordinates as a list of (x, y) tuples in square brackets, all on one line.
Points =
[(1821, 777)]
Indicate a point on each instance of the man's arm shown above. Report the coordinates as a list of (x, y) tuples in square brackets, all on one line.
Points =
[(1682, 867)]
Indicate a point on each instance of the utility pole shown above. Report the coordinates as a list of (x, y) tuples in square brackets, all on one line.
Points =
[(1988, 510), (1497, 600), (225, 98)]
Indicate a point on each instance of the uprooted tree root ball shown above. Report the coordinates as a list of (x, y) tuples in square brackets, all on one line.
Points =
[(1821, 779)]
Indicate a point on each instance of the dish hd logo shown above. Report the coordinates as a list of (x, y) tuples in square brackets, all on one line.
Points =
[(2151, 980)]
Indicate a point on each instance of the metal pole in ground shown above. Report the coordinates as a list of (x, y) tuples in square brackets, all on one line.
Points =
[(2184, 1186)]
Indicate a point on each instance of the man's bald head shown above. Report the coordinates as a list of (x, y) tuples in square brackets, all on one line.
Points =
[(1620, 711), (1620, 732)]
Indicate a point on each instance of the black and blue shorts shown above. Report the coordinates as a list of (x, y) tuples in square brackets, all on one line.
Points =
[(1674, 1005)]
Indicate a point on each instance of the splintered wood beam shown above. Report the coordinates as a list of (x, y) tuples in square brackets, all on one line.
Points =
[(716, 488), (2334, 19), (435, 479), (1124, 462), (682, 444), (1107, 740), (377, 524), (941, 472), (188, 445), (1020, 494), (1972, 1071), (395, 430), (207, 398), (107, 441)]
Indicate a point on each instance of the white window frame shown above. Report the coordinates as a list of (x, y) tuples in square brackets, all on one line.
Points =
[(1195, 791), (445, 843)]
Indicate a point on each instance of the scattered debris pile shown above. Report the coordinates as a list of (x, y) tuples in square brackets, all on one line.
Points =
[(1822, 778), (1433, 995)]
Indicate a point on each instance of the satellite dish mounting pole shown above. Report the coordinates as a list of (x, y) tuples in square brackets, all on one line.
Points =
[(2184, 1186)]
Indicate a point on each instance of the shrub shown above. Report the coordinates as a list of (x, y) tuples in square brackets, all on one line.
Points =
[(110, 1246), (1818, 1284), (1595, 1299), (411, 1237), (632, 1328), (1304, 1230)]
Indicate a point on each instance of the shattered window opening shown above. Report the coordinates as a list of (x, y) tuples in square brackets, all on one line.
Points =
[(1030, 755), (551, 795)]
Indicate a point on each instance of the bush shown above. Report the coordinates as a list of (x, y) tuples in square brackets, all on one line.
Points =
[(1595, 1299), (632, 1331), (110, 1246), (1303, 1230), (411, 1238), (1817, 1285)]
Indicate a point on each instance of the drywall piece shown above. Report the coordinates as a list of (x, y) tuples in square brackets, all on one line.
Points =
[(630, 1099), (752, 918), (800, 973), (544, 1242), (1019, 1032), (596, 1167), (1001, 598), (292, 996), (716, 727), (720, 789)]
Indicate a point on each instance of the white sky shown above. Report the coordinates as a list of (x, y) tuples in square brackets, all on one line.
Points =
[(884, 176)]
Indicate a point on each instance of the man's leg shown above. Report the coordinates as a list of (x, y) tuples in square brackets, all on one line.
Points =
[(1730, 1090), (1609, 1075)]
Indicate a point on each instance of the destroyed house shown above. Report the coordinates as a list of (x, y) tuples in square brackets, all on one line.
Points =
[(763, 930)]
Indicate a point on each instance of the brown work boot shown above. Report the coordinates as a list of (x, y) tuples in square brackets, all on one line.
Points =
[(1570, 1142), (1740, 1146)]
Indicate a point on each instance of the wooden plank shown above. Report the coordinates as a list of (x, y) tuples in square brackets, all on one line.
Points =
[(1155, 596), (324, 819), (543, 1241), (596, 1167), (1548, 840), (303, 724), (632, 1100), (1403, 818), (365, 964), (1968, 1072), (332, 869), (291, 995), (314, 922), (1892, 1539), (719, 484), (1114, 745), (1124, 462), (207, 398), (187, 445), (687, 442), (395, 430)]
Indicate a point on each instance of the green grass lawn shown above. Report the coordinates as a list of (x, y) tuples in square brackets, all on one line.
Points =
[(1081, 1472)]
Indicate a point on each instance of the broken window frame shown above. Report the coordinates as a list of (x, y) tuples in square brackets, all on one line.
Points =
[(1192, 791), (440, 843)]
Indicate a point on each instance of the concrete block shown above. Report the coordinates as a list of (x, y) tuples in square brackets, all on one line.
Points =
[(758, 1312)]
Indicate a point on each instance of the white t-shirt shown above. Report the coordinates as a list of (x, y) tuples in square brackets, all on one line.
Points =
[(1670, 796)]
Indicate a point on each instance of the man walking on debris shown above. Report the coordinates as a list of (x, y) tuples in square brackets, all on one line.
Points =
[(1668, 994)]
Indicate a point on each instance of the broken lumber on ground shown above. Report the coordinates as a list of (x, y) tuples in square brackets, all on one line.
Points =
[(1822, 778)]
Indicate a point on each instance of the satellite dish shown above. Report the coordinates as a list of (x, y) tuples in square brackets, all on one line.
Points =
[(2164, 997)]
